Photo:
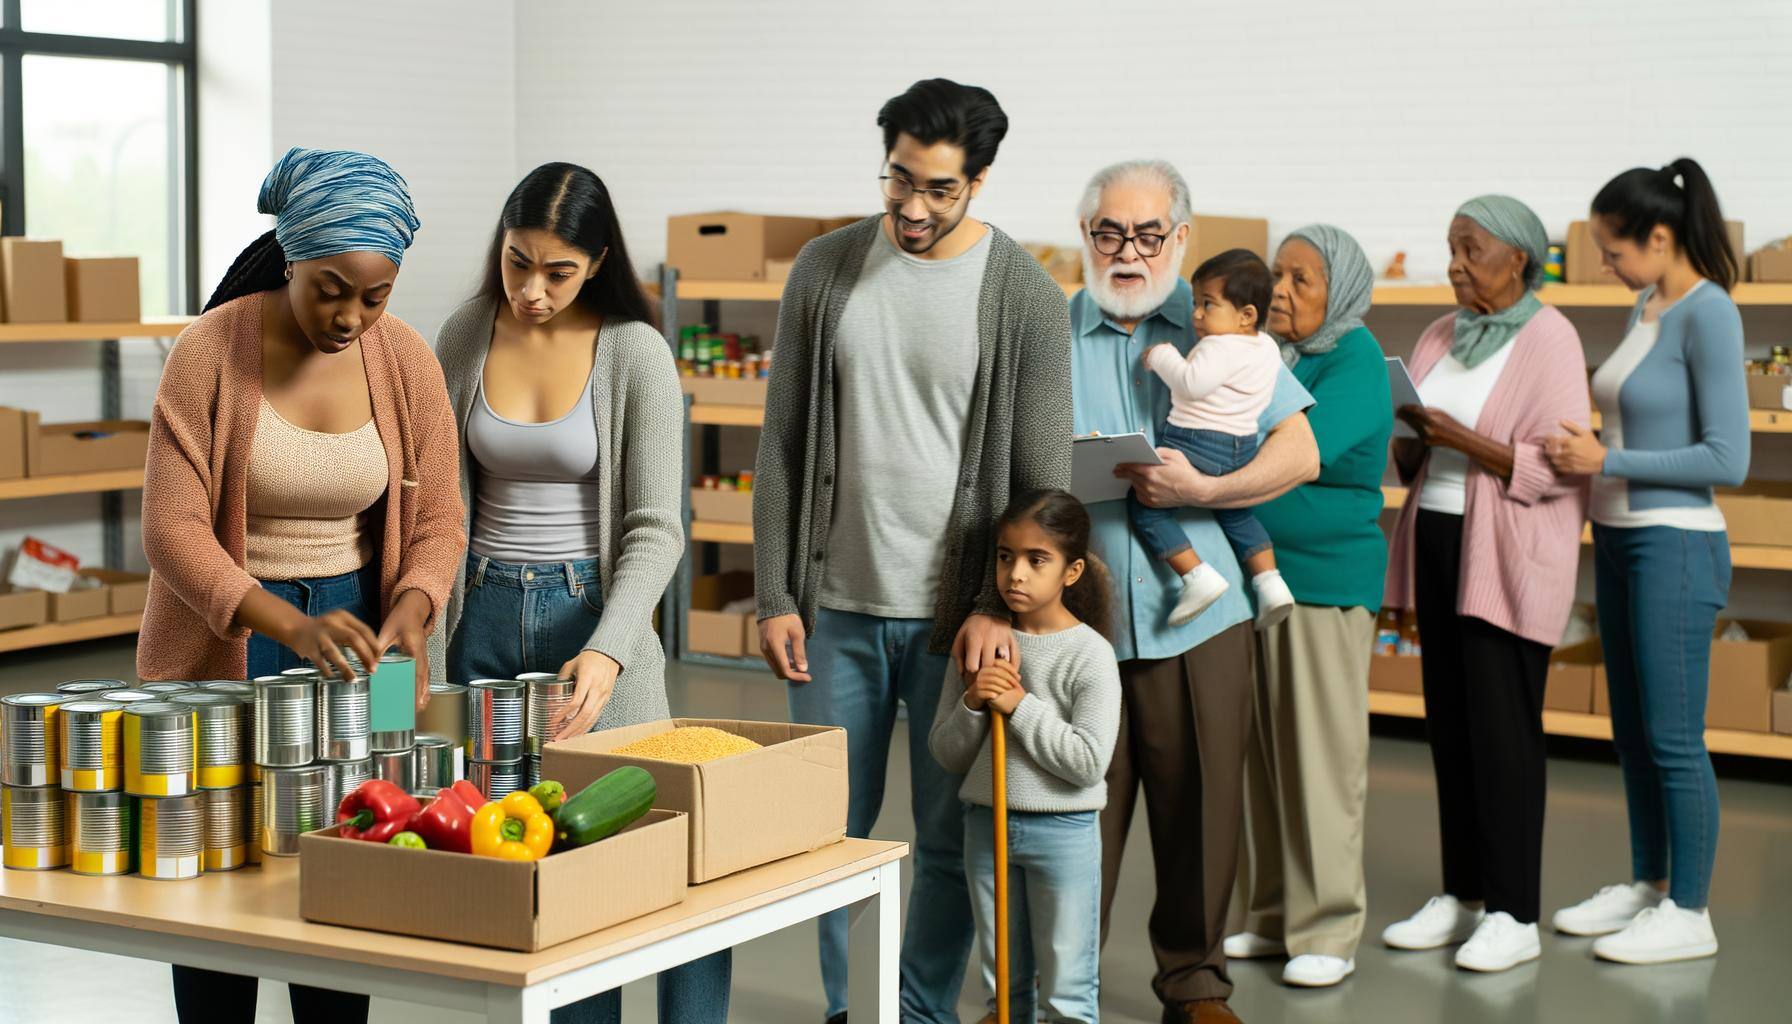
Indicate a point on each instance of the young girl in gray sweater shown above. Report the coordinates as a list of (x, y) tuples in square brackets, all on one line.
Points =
[(1063, 718)]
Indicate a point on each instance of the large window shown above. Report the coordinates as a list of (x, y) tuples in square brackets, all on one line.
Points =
[(98, 142)]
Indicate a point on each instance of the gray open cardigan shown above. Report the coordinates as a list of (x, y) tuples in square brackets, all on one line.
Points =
[(638, 410), (1018, 438)]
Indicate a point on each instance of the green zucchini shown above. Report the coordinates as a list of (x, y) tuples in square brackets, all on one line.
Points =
[(605, 807)]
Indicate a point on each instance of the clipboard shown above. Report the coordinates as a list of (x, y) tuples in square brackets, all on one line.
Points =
[(1403, 392), (1092, 461)]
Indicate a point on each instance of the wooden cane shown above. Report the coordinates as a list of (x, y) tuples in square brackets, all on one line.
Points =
[(998, 747)]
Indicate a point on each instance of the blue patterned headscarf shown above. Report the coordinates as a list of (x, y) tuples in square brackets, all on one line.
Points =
[(1349, 288), (328, 202)]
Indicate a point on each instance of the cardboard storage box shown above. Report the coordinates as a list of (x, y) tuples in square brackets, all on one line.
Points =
[(1782, 711), (722, 506), (1210, 236), (1396, 673), (483, 901), (1771, 265), (56, 448), (128, 591), (12, 443), (746, 810), (1602, 701), (1758, 512), (1569, 685), (778, 271), (1580, 257), (713, 631), (80, 603), (725, 390), (32, 282), (102, 289), (826, 225), (727, 246), (20, 608), (1768, 391), (1744, 675)]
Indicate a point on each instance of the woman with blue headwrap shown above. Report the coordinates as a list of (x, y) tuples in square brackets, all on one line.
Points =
[(1306, 771), (301, 496), (1486, 551)]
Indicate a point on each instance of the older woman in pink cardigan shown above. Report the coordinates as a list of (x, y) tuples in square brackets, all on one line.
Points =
[(1486, 550)]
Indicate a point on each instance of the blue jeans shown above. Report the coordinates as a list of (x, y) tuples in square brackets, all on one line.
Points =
[(1659, 591), (536, 618), (861, 665), (357, 593), (1215, 454), (1054, 911)]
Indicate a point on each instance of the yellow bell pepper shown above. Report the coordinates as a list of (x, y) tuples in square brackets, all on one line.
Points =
[(514, 828)]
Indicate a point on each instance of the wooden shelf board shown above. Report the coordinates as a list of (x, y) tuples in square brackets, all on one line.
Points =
[(1770, 421), (1592, 296), (748, 291), (71, 483), (714, 415), (69, 632), (1599, 727), (153, 327), (721, 533)]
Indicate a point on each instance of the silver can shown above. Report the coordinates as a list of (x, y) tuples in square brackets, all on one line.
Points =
[(166, 687), (302, 672), (92, 745), (285, 721), (440, 761), (340, 779), (235, 688), (223, 737), (34, 834), (446, 712), (171, 837), (292, 803), (342, 719), (226, 827), (549, 697), (127, 696), (398, 767), (531, 770), (496, 779), (30, 754), (160, 749), (102, 833), (495, 719), (254, 821), (88, 686)]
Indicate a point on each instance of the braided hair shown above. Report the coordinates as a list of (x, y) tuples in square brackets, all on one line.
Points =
[(260, 268)]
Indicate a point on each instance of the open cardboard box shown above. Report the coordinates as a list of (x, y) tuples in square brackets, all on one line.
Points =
[(19, 608), (788, 797), (1744, 675), (82, 602), (129, 590), (1569, 685), (726, 390), (714, 631), (1768, 391), (716, 506), (729, 246), (484, 901), (1760, 511), (1782, 710), (52, 449), (1396, 673)]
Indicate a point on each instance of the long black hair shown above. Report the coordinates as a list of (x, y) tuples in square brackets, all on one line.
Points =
[(573, 203), (1066, 522), (259, 268), (1634, 202)]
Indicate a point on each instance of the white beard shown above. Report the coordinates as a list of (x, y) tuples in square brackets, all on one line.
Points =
[(1134, 304)]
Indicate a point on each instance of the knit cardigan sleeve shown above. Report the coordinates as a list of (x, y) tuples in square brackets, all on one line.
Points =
[(1557, 392), (783, 441)]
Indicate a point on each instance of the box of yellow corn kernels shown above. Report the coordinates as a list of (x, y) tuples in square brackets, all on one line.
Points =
[(755, 791)]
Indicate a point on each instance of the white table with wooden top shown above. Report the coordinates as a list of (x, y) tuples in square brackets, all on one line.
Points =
[(247, 922)]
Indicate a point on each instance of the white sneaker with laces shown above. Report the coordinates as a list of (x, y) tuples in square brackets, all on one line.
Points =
[(1442, 921), (1500, 944), (1661, 934), (1274, 599), (1250, 946), (1201, 586), (1316, 970), (1607, 910)]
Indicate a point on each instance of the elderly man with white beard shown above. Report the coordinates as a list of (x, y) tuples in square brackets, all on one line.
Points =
[(1186, 690)]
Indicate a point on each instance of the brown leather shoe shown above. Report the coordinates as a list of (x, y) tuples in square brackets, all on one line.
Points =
[(1200, 1011)]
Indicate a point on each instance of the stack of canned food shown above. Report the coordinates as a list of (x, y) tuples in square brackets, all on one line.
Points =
[(312, 743), (495, 733)]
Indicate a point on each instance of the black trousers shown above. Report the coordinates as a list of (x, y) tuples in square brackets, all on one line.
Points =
[(1484, 718), (218, 998)]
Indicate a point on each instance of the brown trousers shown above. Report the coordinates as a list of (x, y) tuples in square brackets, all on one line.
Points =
[(1183, 727)]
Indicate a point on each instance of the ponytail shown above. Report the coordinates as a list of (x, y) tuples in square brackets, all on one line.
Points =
[(1679, 197), (259, 268), (1066, 522), (1091, 598)]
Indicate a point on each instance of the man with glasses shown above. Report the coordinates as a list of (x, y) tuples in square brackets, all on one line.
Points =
[(1185, 690), (922, 378)]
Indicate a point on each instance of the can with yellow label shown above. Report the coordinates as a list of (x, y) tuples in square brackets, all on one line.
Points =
[(102, 833), (35, 836), (160, 749), (92, 735), (171, 837), (226, 828)]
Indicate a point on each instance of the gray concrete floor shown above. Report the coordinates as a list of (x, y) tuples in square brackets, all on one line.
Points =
[(776, 980)]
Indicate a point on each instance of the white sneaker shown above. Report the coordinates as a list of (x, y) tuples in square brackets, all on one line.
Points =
[(1316, 970), (1607, 910), (1659, 935), (1250, 946), (1201, 586), (1274, 599), (1500, 944), (1442, 921)]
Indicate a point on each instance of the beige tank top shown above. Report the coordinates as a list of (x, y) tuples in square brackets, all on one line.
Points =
[(308, 493)]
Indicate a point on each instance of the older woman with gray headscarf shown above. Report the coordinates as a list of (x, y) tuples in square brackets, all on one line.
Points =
[(1307, 767), (1486, 550)]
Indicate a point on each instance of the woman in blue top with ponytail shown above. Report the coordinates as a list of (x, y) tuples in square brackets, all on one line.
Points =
[(1675, 414)]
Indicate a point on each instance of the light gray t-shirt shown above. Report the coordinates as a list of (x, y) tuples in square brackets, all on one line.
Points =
[(905, 370), (1060, 737)]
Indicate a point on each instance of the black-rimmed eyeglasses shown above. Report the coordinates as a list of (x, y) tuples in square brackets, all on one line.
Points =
[(1110, 243)]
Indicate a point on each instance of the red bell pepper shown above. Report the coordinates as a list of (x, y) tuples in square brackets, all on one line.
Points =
[(446, 824), (469, 794), (376, 811)]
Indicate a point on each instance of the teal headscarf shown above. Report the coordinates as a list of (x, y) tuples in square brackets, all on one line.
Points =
[(1349, 287), (1478, 335), (328, 202)]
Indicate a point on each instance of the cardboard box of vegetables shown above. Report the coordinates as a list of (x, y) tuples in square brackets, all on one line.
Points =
[(533, 869)]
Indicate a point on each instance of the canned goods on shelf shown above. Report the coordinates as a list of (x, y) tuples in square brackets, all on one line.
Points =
[(398, 767), (285, 721), (102, 831), (226, 827), (29, 739), (89, 686), (549, 697), (440, 761), (160, 749), (496, 779), (292, 803), (35, 833), (340, 779), (223, 737), (446, 712), (254, 833), (92, 746), (166, 687), (171, 837), (342, 710), (495, 719)]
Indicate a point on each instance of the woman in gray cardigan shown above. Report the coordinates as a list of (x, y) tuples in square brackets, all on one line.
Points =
[(569, 405)]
